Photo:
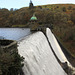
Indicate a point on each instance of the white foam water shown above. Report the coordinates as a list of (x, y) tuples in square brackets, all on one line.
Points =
[(39, 58), (57, 49)]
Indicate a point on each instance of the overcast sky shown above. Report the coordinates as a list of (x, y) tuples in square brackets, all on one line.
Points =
[(24, 3)]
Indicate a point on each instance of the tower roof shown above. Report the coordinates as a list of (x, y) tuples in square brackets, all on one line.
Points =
[(33, 17)]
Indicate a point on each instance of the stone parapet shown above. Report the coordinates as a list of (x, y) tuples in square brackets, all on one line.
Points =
[(8, 45)]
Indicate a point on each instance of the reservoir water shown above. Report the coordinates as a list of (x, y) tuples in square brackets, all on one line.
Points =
[(14, 33)]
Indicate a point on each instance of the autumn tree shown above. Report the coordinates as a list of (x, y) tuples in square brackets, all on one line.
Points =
[(70, 7), (4, 13), (64, 9), (73, 16)]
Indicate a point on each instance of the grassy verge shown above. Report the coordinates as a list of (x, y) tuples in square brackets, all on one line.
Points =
[(14, 26)]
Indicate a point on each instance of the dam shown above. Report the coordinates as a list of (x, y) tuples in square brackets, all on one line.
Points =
[(41, 51), (39, 58)]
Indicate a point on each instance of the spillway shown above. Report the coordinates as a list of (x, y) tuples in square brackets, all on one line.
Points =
[(57, 49), (55, 45), (39, 58)]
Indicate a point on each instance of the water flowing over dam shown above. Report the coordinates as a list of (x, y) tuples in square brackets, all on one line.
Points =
[(39, 58), (57, 49), (55, 46)]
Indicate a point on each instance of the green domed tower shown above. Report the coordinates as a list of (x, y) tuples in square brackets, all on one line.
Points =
[(33, 18), (33, 24)]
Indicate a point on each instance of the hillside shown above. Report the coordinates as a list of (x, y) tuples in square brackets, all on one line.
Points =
[(62, 16)]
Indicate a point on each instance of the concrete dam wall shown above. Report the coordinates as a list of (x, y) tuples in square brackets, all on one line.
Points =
[(39, 58)]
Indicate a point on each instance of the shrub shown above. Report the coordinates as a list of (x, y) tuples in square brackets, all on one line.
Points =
[(64, 9), (70, 7), (10, 64)]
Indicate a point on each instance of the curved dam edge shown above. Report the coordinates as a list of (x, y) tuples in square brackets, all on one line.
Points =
[(39, 58), (57, 49)]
